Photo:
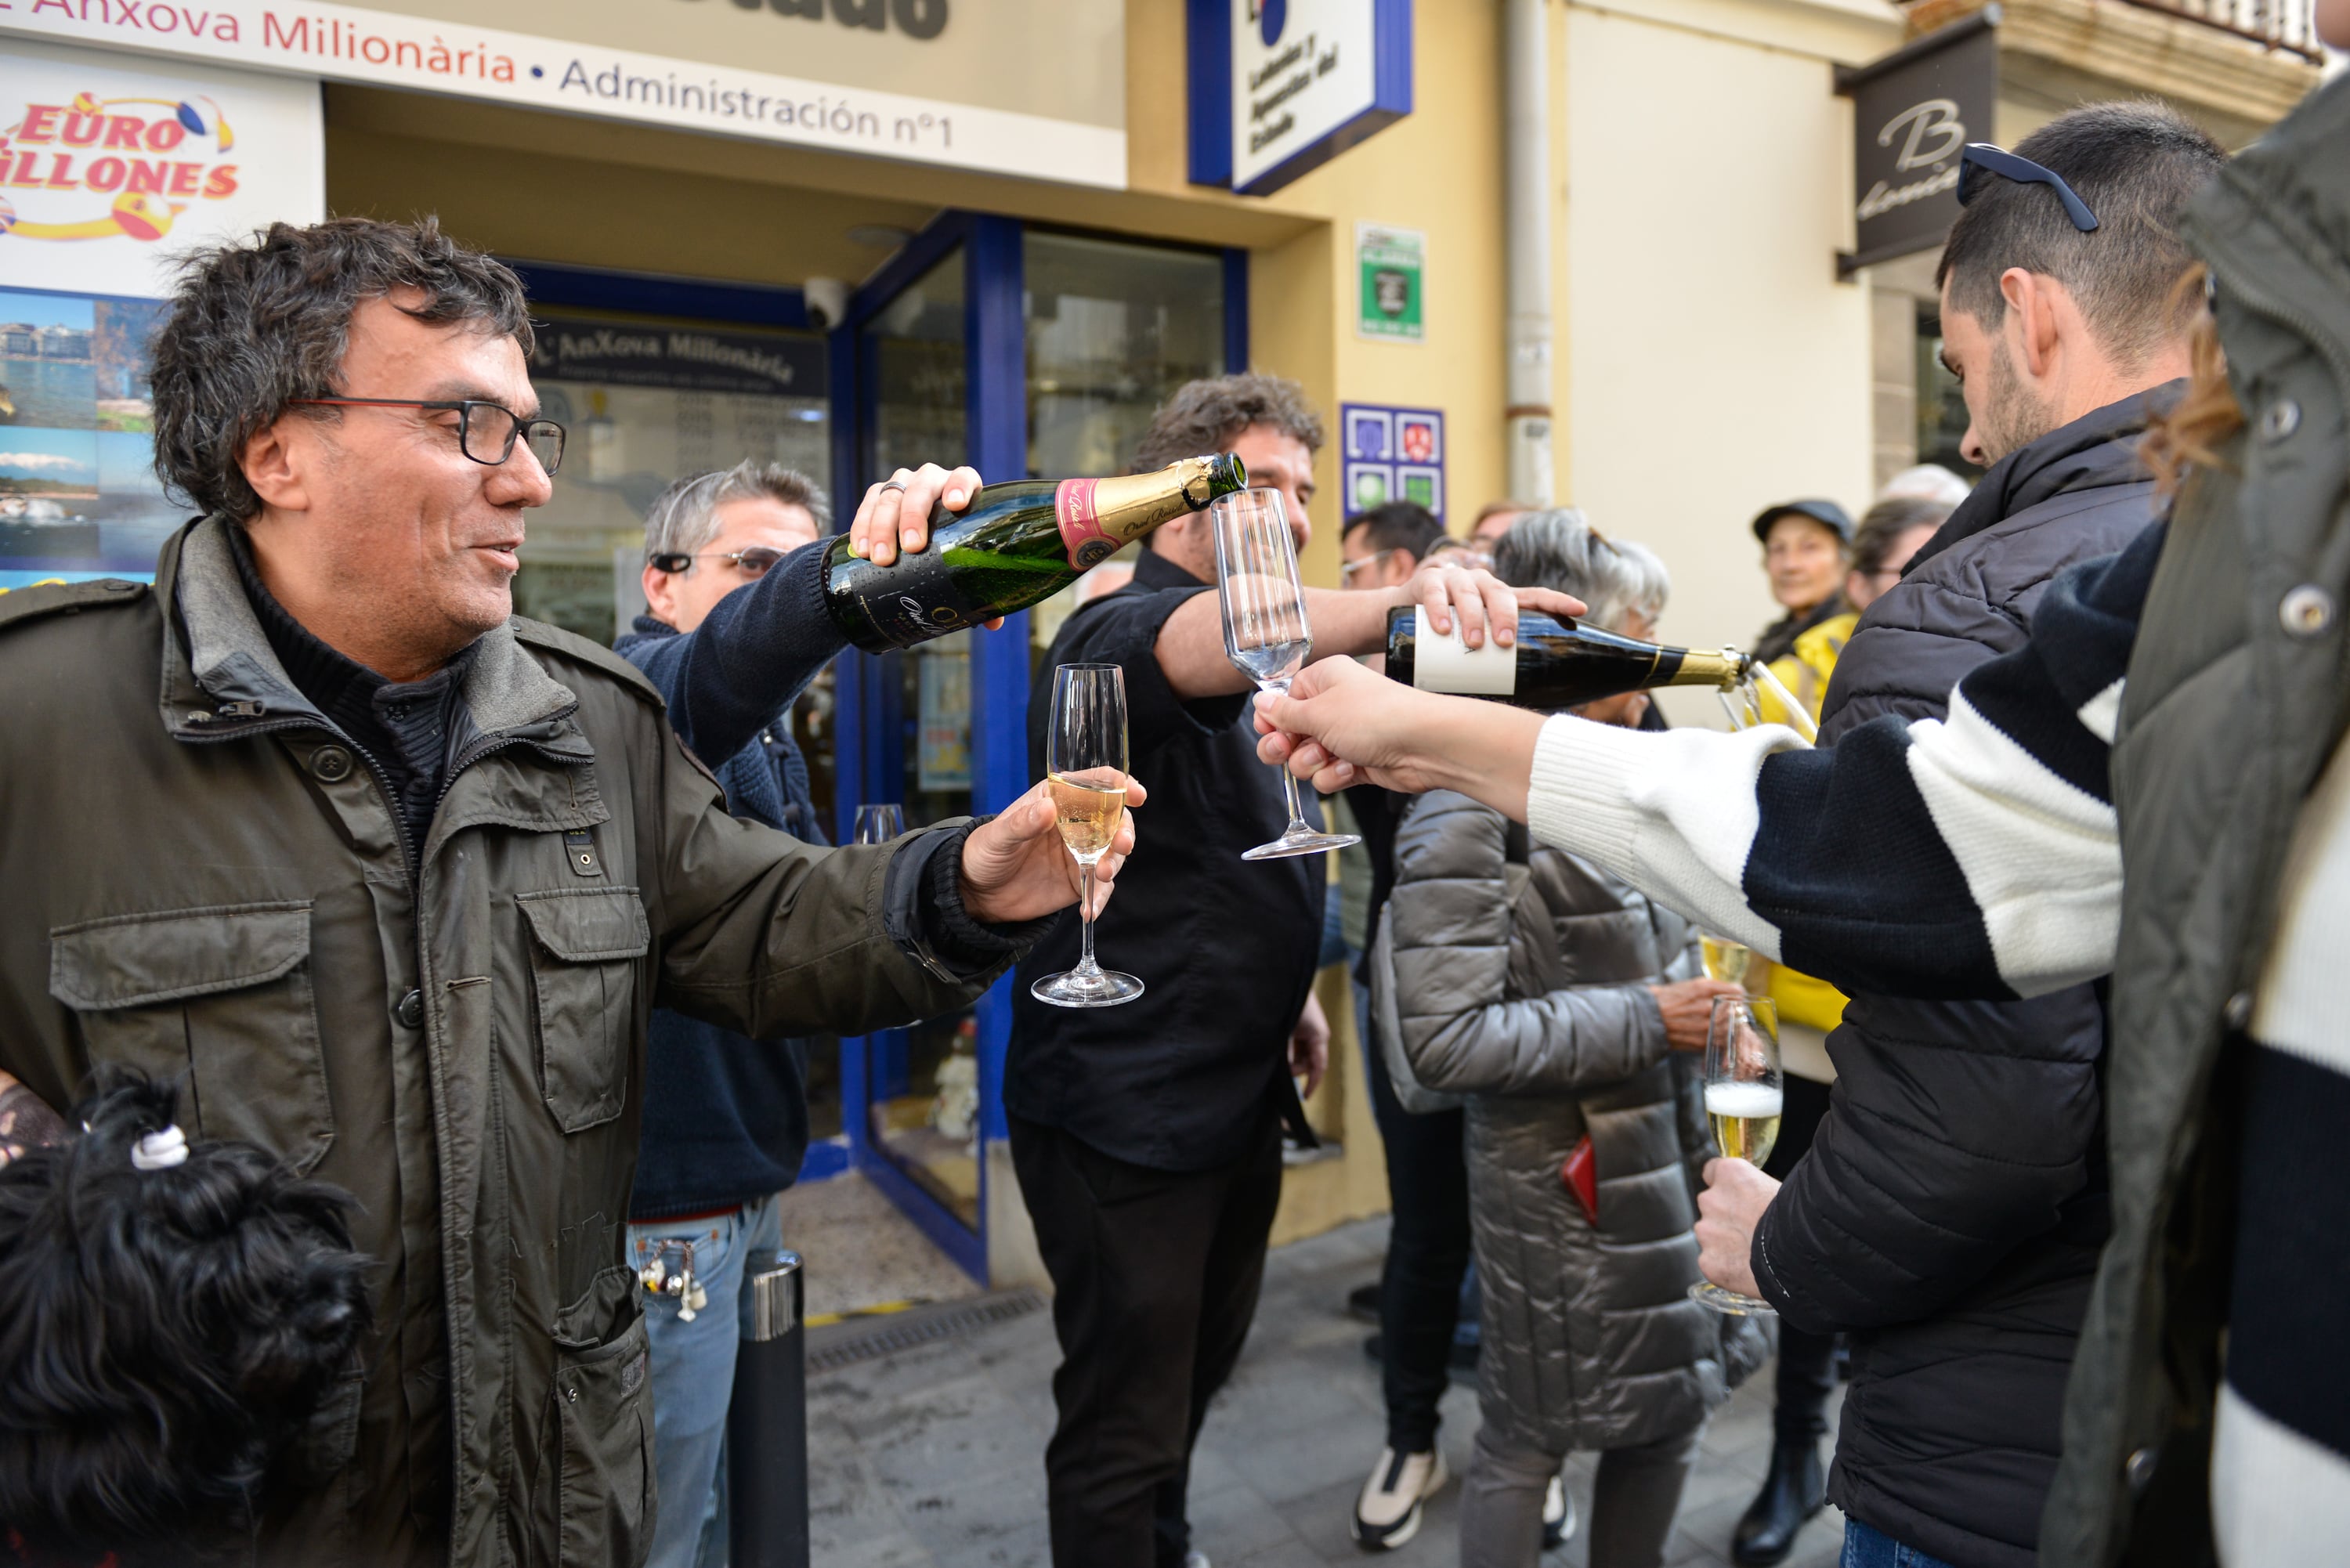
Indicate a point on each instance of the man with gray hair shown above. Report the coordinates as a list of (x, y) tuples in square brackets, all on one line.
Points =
[(731, 648)]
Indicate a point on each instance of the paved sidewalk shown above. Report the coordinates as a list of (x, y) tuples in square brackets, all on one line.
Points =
[(932, 1456)]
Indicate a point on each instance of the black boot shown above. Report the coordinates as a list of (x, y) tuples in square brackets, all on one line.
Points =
[(1794, 1492)]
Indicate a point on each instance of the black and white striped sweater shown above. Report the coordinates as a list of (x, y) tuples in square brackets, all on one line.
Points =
[(1980, 857)]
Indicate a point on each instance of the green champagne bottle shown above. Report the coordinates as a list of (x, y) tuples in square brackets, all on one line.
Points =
[(1557, 663), (1014, 544)]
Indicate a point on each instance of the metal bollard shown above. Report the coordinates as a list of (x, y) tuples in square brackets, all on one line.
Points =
[(767, 1425)]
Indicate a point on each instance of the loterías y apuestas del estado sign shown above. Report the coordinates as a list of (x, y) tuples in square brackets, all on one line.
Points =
[(915, 18)]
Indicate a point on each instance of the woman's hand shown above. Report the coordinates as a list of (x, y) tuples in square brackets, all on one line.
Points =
[(27, 1122), (1339, 725), (1688, 1007)]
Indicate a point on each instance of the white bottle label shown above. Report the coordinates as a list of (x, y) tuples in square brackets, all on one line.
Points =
[(1448, 665)]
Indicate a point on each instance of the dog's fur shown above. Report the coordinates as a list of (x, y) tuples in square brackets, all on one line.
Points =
[(165, 1336)]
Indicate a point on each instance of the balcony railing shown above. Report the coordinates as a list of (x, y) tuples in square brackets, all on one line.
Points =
[(2286, 24)]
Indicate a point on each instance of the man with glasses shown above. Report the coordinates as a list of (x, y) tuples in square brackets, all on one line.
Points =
[(1949, 1212), (392, 880), (730, 641)]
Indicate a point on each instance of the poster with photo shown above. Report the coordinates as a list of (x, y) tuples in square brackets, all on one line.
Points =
[(107, 177)]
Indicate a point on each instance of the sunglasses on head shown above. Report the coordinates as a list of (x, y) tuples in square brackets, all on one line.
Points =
[(1982, 159), (754, 562)]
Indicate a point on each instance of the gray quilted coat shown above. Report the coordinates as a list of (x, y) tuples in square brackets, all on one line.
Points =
[(1524, 987)]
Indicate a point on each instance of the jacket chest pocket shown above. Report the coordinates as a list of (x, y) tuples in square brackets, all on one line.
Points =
[(589, 948), (220, 997)]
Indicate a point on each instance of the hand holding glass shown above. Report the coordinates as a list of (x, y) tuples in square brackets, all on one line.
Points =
[(1265, 635), (1085, 762), (1744, 1095)]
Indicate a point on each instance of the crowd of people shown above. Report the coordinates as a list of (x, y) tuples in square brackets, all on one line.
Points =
[(476, 959)]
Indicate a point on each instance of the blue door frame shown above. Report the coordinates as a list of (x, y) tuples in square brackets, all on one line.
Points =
[(870, 764), (871, 755)]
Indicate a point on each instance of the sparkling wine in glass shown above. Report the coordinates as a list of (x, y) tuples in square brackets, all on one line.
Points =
[(1743, 1093), (879, 823), (1265, 635), (1085, 766)]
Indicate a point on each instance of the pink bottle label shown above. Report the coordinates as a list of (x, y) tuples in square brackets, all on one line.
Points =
[(1081, 528)]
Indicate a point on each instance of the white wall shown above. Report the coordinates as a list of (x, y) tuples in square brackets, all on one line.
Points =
[(1712, 363)]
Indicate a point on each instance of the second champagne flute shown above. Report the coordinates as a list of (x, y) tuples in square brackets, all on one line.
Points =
[(1265, 635), (1743, 1093), (1085, 764)]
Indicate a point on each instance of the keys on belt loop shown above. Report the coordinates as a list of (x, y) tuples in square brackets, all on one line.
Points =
[(662, 1280)]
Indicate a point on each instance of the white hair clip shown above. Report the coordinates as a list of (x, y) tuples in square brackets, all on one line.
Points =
[(160, 1150)]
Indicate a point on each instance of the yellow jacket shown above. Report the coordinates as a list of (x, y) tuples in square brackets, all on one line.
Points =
[(1805, 672)]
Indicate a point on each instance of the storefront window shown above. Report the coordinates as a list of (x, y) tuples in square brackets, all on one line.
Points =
[(924, 1080), (648, 402), (1113, 328), (1941, 408)]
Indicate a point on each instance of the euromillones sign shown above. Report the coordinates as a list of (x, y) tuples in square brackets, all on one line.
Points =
[(1913, 113)]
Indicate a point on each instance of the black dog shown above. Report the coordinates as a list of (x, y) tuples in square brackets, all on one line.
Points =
[(172, 1315)]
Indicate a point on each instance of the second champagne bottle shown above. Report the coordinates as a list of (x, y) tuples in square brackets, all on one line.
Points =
[(1017, 543), (1557, 663)]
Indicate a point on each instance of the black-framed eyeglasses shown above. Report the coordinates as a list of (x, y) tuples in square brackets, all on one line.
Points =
[(482, 427), (1982, 159), (754, 562)]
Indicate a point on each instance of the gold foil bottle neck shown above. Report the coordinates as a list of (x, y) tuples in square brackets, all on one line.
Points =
[(1130, 506)]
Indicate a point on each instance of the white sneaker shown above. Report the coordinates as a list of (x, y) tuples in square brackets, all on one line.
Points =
[(1195, 1560), (1558, 1516), (1387, 1514)]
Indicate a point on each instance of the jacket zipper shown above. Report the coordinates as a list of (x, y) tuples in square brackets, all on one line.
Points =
[(412, 862)]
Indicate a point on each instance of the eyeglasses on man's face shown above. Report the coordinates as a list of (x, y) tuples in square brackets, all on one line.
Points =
[(486, 432), (754, 562), (1982, 159)]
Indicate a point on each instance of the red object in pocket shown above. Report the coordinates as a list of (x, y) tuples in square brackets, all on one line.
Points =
[(1581, 1174)]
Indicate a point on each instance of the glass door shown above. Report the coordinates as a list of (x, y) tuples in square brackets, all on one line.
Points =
[(921, 1122), (974, 333)]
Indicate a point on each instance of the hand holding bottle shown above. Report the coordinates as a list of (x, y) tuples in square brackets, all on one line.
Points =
[(1447, 588), (896, 511)]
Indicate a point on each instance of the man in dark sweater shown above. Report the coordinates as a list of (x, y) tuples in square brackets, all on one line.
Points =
[(732, 580)]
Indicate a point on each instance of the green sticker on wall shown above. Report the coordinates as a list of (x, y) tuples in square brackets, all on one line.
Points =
[(1391, 263)]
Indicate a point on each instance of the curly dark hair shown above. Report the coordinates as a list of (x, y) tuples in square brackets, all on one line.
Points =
[(258, 326), (167, 1336), (1203, 416)]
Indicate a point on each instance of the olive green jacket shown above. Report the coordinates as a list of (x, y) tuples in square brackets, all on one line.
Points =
[(2235, 701), (201, 878)]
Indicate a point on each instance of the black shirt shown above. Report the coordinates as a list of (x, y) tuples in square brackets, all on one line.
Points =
[(1378, 812), (407, 729), (1179, 1078)]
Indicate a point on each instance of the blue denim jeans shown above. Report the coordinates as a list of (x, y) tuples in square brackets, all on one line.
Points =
[(694, 1377), (1865, 1547)]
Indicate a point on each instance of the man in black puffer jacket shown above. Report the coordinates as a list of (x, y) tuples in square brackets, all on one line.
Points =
[(1949, 1213)]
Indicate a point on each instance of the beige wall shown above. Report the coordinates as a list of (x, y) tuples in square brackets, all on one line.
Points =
[(1712, 362)]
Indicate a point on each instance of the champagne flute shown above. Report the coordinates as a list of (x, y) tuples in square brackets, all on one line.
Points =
[(1085, 766), (1743, 1093), (879, 823), (1724, 958), (1265, 635)]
